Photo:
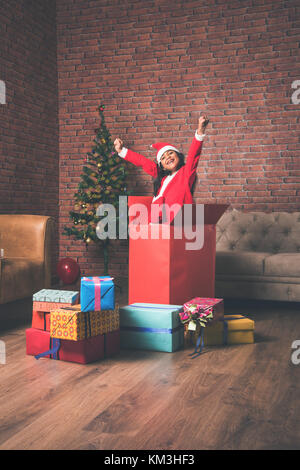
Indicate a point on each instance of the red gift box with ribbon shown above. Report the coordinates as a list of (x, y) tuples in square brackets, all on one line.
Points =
[(202, 307), (40, 344)]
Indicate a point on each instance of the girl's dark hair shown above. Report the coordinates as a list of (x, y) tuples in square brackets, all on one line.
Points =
[(161, 173)]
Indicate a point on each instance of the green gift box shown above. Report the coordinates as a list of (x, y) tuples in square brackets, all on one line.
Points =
[(151, 326)]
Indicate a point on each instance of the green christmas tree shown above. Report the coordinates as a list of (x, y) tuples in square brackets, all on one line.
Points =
[(103, 180)]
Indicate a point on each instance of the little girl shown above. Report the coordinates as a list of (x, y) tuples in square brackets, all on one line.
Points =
[(173, 179)]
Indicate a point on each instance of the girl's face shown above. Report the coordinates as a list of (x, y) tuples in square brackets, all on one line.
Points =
[(169, 160)]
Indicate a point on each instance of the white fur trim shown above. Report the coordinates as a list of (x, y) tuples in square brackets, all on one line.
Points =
[(123, 152), (199, 137), (163, 150)]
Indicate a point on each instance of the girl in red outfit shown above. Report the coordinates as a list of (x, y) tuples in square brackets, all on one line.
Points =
[(173, 179)]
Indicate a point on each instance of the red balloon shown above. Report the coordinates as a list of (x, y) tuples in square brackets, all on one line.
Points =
[(68, 270)]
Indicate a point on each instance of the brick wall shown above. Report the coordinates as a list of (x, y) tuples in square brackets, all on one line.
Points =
[(29, 119), (155, 65)]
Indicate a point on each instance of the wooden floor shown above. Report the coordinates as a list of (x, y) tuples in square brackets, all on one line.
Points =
[(235, 397)]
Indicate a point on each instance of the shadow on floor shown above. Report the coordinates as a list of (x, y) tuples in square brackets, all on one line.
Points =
[(15, 314)]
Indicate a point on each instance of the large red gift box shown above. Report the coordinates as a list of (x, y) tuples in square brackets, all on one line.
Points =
[(84, 351), (165, 271)]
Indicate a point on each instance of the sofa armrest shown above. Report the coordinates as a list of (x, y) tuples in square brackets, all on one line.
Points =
[(49, 229)]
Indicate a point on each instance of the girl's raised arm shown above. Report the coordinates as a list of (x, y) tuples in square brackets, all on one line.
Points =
[(139, 160), (195, 149)]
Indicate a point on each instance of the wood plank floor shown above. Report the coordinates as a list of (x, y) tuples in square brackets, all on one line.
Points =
[(235, 397)]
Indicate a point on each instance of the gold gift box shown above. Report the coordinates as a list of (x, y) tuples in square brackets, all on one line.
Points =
[(240, 330), (70, 323)]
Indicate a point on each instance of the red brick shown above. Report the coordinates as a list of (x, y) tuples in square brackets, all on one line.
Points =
[(155, 70)]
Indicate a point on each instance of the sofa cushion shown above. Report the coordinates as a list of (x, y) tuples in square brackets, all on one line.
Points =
[(275, 232), (20, 277), (283, 264), (240, 262)]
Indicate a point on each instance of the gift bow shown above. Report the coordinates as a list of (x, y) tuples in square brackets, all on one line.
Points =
[(194, 312)]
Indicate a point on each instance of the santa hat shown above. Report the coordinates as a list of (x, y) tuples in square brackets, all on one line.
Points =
[(161, 148)]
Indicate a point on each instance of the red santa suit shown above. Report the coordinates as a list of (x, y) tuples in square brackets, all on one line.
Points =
[(175, 188)]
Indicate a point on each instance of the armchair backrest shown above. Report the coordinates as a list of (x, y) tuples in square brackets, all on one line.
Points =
[(25, 236)]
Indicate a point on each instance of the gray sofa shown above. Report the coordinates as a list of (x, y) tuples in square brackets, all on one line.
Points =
[(258, 256)]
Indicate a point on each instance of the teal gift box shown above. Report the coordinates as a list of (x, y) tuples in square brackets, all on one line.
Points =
[(151, 326)]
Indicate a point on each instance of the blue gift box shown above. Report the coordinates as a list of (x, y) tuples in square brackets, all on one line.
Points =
[(97, 293), (151, 326)]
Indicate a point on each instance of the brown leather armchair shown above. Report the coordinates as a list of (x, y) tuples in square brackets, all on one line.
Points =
[(26, 266)]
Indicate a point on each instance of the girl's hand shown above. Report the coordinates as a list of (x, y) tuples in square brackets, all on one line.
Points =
[(118, 145), (202, 123)]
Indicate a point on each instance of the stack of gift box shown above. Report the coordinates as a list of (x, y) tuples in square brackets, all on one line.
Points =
[(63, 328), (200, 321)]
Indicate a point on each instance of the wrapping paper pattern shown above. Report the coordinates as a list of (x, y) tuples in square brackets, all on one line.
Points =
[(73, 324), (203, 306), (48, 306), (56, 296)]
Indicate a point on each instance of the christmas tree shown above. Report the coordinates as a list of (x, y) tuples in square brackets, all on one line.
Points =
[(102, 182)]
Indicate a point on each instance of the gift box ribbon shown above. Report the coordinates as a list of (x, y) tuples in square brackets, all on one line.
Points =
[(97, 283), (199, 344), (45, 321), (53, 352), (189, 312), (200, 340), (225, 330), (140, 329)]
